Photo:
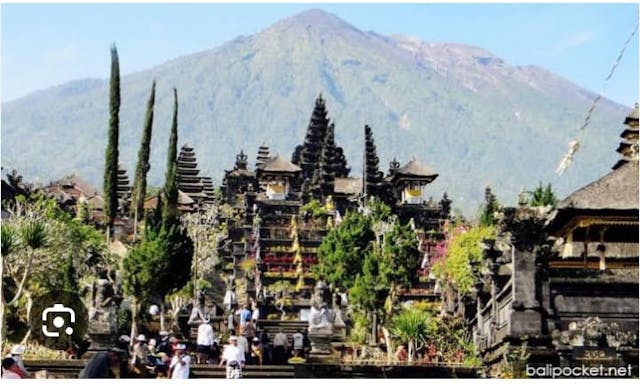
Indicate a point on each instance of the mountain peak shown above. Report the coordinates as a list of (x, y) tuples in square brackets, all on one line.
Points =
[(313, 17)]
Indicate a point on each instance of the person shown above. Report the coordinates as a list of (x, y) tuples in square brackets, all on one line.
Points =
[(180, 363), (233, 357), (10, 369), (102, 364), (205, 341), (244, 344), (298, 341), (164, 346), (216, 351), (140, 358), (280, 347), (255, 316), (257, 352), (267, 356), (245, 315), (16, 355), (248, 330)]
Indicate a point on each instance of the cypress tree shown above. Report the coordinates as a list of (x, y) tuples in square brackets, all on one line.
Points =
[(142, 168), (373, 176), (111, 154), (170, 209)]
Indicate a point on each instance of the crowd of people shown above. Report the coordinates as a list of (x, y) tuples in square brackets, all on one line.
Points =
[(168, 356)]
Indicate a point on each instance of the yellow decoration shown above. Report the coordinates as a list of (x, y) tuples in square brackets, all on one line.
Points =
[(413, 192)]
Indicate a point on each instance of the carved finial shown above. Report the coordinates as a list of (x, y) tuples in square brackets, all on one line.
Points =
[(241, 160)]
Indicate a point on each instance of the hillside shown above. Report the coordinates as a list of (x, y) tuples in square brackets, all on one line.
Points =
[(474, 118)]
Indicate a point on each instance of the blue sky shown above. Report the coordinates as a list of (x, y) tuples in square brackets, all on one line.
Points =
[(48, 44)]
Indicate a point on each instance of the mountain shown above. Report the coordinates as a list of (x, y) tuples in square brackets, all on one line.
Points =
[(468, 114)]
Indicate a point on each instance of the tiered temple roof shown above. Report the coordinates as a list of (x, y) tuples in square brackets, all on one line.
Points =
[(263, 156), (414, 170), (124, 186), (189, 180), (628, 147)]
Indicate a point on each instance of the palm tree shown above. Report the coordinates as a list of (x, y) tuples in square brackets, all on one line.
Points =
[(413, 326), (33, 235)]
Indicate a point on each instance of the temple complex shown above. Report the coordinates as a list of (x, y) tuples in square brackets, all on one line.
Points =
[(560, 287), (282, 210)]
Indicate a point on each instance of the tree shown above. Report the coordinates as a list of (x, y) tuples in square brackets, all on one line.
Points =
[(373, 176), (161, 264), (111, 153), (543, 196), (413, 327), (342, 251), (170, 208), (489, 209), (464, 249), (142, 168)]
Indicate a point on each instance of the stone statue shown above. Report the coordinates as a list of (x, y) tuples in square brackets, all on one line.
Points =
[(321, 324), (103, 323), (199, 313), (321, 316)]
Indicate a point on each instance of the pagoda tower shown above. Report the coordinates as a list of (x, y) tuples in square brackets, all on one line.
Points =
[(188, 179), (263, 156), (124, 189), (628, 147), (311, 153), (207, 189)]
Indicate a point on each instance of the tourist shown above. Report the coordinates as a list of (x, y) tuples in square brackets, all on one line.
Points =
[(231, 323), (243, 343), (234, 357), (248, 330), (140, 358), (10, 369), (180, 363), (298, 341), (267, 357), (255, 316), (204, 341), (245, 315), (257, 352), (280, 347), (216, 351), (16, 355), (102, 364), (164, 346)]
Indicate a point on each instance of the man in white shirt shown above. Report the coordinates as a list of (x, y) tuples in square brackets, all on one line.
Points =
[(280, 347), (233, 357), (205, 340), (180, 363)]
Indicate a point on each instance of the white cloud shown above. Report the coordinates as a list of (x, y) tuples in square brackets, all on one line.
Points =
[(573, 41)]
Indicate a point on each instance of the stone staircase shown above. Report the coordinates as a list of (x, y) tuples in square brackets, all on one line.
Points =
[(69, 369)]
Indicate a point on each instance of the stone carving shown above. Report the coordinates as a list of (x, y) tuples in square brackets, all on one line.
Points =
[(322, 323), (321, 316), (199, 313), (103, 322), (593, 332)]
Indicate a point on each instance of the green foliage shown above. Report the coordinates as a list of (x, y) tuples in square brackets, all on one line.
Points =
[(111, 153), (400, 256), (464, 248), (543, 196), (414, 324), (342, 251), (489, 208), (360, 329), (170, 209), (139, 189), (159, 265), (315, 208), (9, 239)]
